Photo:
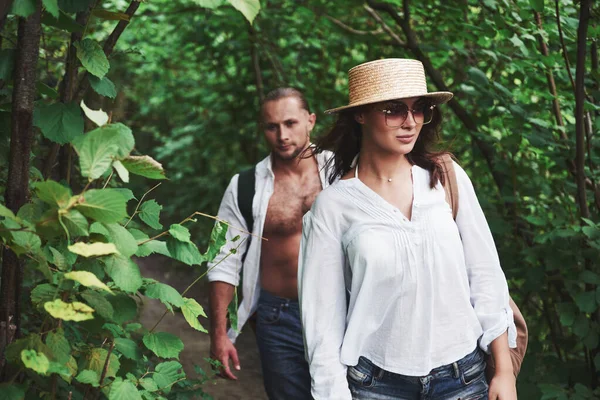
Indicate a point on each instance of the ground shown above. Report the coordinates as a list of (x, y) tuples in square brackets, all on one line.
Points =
[(249, 384)]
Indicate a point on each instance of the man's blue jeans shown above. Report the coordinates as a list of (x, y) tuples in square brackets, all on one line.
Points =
[(279, 338), (464, 380)]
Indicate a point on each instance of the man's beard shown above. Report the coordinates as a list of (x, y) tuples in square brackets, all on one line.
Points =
[(292, 156)]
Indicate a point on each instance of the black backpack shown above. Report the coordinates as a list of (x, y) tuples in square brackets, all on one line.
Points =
[(246, 190)]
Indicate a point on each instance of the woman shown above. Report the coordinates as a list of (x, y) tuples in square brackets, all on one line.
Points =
[(398, 300)]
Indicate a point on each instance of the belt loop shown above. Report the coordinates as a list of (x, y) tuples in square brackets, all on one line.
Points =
[(379, 373), (456, 370)]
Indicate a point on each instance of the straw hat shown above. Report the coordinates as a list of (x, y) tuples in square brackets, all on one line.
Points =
[(388, 79)]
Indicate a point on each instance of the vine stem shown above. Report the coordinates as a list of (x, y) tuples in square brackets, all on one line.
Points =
[(139, 203)]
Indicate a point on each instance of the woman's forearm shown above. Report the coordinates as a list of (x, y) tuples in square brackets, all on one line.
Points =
[(501, 353)]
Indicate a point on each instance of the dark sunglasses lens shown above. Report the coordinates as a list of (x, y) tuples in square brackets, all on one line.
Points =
[(395, 114)]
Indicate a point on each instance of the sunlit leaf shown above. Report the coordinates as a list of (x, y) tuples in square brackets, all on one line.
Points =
[(191, 311), (93, 249), (87, 279), (75, 311)]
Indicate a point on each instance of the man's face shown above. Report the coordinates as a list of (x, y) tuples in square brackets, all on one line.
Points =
[(287, 127)]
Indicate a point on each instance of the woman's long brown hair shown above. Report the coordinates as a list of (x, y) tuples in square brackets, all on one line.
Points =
[(345, 136)]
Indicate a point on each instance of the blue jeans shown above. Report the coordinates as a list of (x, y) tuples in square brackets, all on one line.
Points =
[(281, 346), (461, 380)]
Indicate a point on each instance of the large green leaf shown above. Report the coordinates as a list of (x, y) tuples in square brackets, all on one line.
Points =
[(58, 343), (35, 361), (128, 348), (180, 233), (88, 377), (125, 242), (99, 303), (166, 374), (92, 57), (59, 122), (93, 249), (98, 148), (165, 293), (75, 311), (23, 8), (123, 390), (51, 6), (144, 166), (586, 301), (125, 308), (95, 360), (26, 242), (163, 344), (42, 293), (103, 205), (150, 214), (87, 279), (191, 311), (76, 223), (249, 8), (103, 87), (151, 247), (53, 193), (124, 272), (217, 241), (63, 22), (187, 253)]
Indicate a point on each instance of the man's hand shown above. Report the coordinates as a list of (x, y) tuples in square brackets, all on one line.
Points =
[(222, 350)]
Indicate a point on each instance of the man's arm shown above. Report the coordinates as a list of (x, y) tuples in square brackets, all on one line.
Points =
[(221, 348)]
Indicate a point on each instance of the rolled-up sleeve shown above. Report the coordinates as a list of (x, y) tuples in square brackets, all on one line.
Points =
[(228, 271), (322, 296), (489, 290)]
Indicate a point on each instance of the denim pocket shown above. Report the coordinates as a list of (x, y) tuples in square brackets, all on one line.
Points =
[(474, 371), (361, 374), (268, 314)]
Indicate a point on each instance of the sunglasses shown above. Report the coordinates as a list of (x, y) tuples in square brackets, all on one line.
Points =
[(396, 112)]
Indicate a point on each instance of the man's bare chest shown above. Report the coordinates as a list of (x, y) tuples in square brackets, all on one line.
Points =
[(288, 204)]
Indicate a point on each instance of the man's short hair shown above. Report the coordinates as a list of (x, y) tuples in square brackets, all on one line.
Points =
[(283, 92)]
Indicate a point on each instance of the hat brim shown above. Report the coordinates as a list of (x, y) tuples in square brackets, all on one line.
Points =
[(437, 97)]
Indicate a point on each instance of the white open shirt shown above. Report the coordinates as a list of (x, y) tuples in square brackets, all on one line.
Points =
[(422, 293)]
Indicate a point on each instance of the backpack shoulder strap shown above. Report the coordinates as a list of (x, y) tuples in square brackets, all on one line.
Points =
[(246, 190), (451, 185)]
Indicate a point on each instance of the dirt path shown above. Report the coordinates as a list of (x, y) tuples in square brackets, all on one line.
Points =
[(249, 384)]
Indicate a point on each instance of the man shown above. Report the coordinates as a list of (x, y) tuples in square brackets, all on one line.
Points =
[(286, 184)]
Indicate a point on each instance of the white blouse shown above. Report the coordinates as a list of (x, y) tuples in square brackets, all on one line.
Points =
[(409, 295)]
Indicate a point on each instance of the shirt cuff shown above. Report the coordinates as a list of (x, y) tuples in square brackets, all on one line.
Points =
[(495, 325)]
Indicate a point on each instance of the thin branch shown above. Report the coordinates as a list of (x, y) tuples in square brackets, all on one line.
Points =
[(351, 29), (106, 365), (385, 26), (140, 202), (563, 45)]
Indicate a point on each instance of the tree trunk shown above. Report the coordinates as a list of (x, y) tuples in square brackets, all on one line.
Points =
[(17, 190)]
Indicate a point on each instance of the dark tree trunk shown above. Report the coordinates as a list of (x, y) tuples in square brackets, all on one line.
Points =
[(17, 190)]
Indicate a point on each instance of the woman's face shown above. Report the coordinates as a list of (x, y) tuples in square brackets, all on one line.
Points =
[(394, 126)]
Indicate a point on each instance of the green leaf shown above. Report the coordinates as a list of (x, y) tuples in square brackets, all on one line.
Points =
[(12, 391), (88, 377), (75, 311), (58, 259), (165, 293), (63, 22), (59, 122), (53, 193), (127, 193), (478, 76), (46, 90), (35, 361), (249, 8), (210, 4), (149, 384), (144, 166), (151, 247), (61, 349), (98, 148), (99, 117), (96, 359), (76, 223), (7, 63), (537, 5), (166, 374), (98, 301), (92, 57), (51, 6), (43, 293), (180, 233), (27, 242), (121, 171), (124, 272), (104, 87), (217, 241), (125, 242), (93, 249), (87, 279), (191, 311), (7, 213), (589, 277), (128, 348), (163, 344), (581, 326), (187, 253), (22, 8), (586, 301), (103, 205), (150, 214), (125, 308), (123, 390)]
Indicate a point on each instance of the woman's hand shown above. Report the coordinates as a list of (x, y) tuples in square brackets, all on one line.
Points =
[(503, 386)]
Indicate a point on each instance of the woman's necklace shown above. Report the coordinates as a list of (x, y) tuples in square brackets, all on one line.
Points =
[(377, 176)]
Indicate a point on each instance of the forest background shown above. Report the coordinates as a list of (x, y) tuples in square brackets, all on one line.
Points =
[(180, 83)]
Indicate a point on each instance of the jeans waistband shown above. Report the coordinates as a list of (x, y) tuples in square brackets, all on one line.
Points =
[(268, 298)]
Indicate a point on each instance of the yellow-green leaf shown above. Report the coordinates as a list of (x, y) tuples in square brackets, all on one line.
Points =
[(93, 249), (87, 279), (191, 311), (75, 311), (36, 361)]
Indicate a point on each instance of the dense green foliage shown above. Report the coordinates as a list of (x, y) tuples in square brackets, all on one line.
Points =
[(188, 81)]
